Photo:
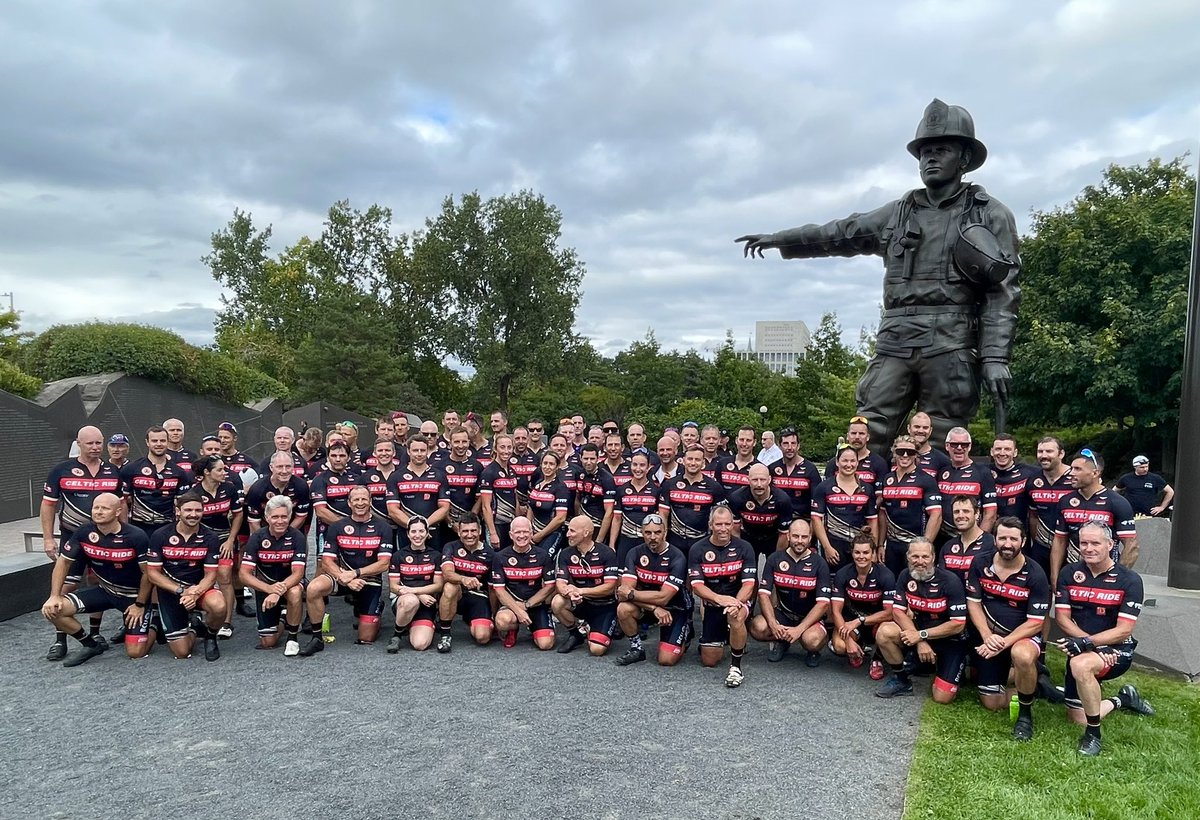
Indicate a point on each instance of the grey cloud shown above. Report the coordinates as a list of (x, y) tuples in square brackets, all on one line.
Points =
[(661, 131)]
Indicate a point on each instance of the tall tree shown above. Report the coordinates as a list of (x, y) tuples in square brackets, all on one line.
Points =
[(1104, 285), (510, 290)]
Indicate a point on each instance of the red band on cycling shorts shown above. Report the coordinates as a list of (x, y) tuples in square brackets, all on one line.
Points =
[(372, 620), (135, 640), (672, 648), (599, 637), (422, 622), (481, 622), (944, 686), (543, 633), (224, 562)]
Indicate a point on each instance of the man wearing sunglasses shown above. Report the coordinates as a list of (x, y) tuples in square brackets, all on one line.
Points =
[(909, 506), (965, 477), (1091, 502)]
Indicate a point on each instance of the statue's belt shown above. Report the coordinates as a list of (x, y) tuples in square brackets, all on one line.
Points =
[(925, 310)]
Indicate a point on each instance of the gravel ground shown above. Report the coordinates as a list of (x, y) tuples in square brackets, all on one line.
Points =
[(483, 732)]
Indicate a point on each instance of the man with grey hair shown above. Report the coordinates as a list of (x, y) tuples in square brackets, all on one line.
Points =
[(1096, 605), (928, 627), (273, 566), (770, 452), (965, 477)]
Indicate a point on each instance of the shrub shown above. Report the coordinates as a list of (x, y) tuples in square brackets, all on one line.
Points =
[(18, 382), (151, 353)]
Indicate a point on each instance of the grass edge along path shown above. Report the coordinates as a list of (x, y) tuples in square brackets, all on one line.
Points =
[(966, 764)]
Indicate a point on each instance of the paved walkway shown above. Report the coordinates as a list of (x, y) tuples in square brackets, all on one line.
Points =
[(482, 732), (12, 542)]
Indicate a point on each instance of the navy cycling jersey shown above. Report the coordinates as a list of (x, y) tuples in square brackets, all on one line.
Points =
[(476, 563), (843, 513), (762, 520), (934, 462), (590, 568), (548, 499), (462, 485), (871, 469), (596, 493), (689, 504), (729, 474), (116, 558), (798, 481), (1096, 602), (358, 544), (908, 501), (415, 568), (631, 505), (724, 570), (799, 584), (418, 493), (522, 573), (73, 484), (183, 457), (272, 559), (375, 480), (974, 480), (1106, 507), (332, 490), (1009, 600), (1012, 486), (221, 506), (264, 490), (957, 557), (151, 492), (498, 489), (184, 560), (864, 595), (934, 602), (656, 571), (1043, 497)]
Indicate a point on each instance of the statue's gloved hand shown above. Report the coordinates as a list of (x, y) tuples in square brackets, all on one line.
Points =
[(756, 243), (997, 378)]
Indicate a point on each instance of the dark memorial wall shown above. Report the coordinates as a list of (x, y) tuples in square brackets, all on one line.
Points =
[(36, 435)]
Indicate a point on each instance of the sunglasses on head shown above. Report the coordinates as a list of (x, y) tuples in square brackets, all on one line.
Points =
[(1090, 456)]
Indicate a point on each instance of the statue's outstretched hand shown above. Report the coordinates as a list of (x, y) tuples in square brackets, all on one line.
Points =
[(997, 378), (756, 243)]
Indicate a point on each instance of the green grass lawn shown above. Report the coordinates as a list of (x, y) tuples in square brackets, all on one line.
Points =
[(966, 764)]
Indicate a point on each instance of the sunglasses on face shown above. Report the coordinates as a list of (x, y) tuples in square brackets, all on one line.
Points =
[(908, 453), (957, 444)]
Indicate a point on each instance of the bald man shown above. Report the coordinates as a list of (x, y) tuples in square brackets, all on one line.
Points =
[(71, 489), (585, 580), (116, 553)]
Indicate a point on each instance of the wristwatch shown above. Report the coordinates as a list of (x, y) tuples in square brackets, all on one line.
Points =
[(862, 619), (923, 634), (179, 589)]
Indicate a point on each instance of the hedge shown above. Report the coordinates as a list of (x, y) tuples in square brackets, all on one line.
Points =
[(65, 351), (18, 382)]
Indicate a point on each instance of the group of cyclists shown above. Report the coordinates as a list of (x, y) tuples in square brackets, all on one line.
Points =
[(907, 562)]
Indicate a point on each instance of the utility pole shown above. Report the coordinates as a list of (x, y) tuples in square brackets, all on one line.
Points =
[(11, 309)]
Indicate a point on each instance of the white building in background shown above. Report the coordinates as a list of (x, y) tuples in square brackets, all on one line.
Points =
[(778, 345)]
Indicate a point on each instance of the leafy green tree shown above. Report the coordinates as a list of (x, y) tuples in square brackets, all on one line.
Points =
[(509, 289), (1104, 295)]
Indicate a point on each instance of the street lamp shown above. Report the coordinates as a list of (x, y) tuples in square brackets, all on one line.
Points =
[(762, 411)]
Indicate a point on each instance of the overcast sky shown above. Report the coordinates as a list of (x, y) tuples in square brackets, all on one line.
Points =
[(131, 131)]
